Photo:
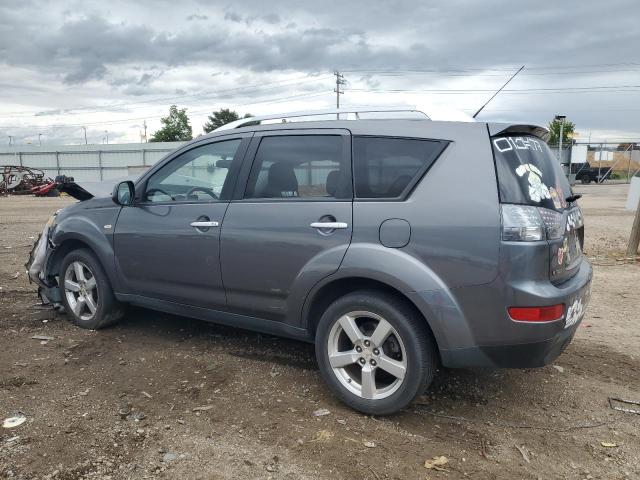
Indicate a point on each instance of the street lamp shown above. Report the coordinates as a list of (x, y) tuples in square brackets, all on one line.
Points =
[(561, 119)]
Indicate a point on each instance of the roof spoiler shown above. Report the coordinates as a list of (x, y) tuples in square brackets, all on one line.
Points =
[(505, 128)]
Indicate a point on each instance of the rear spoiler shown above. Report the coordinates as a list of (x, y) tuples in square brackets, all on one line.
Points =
[(508, 128)]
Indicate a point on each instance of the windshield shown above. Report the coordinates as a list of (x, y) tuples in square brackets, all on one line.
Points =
[(528, 173)]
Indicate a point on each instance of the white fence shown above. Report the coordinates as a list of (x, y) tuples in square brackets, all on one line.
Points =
[(89, 163)]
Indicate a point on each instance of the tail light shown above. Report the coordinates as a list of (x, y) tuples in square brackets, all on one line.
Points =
[(525, 223), (537, 314)]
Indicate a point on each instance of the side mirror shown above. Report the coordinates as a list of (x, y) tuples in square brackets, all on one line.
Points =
[(223, 164), (123, 193)]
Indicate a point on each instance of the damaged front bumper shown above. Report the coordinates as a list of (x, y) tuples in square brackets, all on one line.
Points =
[(43, 247)]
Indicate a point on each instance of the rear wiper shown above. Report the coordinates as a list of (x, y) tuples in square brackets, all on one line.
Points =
[(573, 198)]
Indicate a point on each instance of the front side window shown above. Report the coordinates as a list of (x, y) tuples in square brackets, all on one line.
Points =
[(384, 167), (198, 175), (300, 167)]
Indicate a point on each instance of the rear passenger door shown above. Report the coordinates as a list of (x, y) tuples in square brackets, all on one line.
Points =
[(290, 222)]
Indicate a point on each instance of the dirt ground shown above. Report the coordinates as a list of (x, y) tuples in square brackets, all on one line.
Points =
[(160, 396)]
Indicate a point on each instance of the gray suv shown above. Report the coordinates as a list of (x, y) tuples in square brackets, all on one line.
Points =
[(394, 245)]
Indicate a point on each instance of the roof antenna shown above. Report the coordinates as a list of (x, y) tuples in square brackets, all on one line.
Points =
[(499, 90)]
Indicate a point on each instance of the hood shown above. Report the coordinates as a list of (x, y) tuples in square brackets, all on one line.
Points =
[(86, 190)]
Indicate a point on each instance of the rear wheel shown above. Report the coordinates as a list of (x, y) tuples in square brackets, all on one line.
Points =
[(87, 294), (374, 352)]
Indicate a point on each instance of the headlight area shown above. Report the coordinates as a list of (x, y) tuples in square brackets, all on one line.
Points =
[(38, 257)]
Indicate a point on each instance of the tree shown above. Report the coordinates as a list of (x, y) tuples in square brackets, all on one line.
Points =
[(221, 117), (175, 127), (554, 131)]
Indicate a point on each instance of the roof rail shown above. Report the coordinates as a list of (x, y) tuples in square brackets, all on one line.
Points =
[(310, 113)]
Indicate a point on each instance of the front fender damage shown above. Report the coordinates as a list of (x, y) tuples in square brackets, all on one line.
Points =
[(41, 251)]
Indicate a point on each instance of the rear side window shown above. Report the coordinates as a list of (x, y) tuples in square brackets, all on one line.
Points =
[(529, 173), (300, 167), (386, 167)]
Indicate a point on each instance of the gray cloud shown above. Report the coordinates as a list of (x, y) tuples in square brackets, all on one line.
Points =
[(272, 18), (74, 55), (86, 47), (196, 16), (233, 17)]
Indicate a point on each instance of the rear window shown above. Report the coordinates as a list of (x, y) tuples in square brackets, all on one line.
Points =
[(529, 173), (385, 167)]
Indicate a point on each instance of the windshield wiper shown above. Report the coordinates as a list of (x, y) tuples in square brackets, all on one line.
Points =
[(573, 198)]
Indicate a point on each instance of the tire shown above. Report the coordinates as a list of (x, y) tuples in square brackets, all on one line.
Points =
[(86, 292), (408, 343)]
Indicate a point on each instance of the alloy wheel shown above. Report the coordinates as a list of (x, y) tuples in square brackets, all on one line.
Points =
[(81, 290), (367, 355)]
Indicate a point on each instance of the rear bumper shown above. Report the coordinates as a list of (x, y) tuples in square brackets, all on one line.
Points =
[(485, 335), (524, 355)]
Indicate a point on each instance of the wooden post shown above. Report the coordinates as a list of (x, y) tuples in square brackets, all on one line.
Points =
[(634, 239)]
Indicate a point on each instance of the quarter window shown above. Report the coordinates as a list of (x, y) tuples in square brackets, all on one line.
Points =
[(300, 167), (384, 167), (198, 175)]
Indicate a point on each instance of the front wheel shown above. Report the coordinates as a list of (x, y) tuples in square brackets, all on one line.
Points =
[(375, 353), (87, 294)]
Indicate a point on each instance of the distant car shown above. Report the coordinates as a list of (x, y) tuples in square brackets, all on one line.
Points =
[(585, 173), (394, 245)]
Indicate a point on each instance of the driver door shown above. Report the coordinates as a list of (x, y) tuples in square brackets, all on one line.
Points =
[(167, 244)]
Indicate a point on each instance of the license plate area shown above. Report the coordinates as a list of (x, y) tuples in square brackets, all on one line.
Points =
[(577, 305)]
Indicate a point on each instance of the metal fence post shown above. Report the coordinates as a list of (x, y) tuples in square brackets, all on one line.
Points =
[(600, 164), (144, 157), (20, 158), (100, 165)]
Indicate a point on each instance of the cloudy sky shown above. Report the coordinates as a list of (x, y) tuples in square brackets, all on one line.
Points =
[(111, 66)]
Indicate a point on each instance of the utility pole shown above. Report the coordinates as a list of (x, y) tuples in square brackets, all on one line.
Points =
[(144, 124), (339, 82), (106, 132), (40, 139), (85, 135), (10, 139)]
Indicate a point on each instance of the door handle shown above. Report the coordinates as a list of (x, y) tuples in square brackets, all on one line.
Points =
[(204, 224), (329, 225)]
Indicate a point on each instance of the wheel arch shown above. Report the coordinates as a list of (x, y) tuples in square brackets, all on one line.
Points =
[(99, 246), (61, 251), (330, 291)]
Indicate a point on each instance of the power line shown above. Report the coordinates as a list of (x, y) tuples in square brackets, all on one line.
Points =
[(404, 73), (199, 95), (194, 112), (605, 88), (554, 109), (488, 69)]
